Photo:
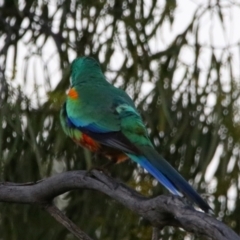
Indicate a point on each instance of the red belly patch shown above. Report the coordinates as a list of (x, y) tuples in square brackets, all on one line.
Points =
[(88, 143)]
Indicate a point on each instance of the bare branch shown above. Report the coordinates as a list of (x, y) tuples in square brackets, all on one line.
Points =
[(161, 211), (65, 221), (155, 233)]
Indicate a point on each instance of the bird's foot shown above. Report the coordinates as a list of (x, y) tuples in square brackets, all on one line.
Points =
[(103, 177), (100, 169), (104, 167)]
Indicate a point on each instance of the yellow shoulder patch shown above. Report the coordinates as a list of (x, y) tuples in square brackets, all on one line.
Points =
[(72, 93)]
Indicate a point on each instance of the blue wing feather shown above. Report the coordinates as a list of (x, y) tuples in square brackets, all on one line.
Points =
[(93, 127)]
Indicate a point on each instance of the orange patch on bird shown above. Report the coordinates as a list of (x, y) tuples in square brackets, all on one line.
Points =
[(72, 93), (89, 143), (117, 158)]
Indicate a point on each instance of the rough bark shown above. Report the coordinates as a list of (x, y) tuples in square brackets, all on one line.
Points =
[(161, 211)]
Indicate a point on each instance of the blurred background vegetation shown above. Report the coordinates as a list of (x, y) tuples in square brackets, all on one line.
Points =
[(187, 90)]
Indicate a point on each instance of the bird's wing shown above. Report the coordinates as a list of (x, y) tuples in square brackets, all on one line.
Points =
[(93, 109), (107, 124)]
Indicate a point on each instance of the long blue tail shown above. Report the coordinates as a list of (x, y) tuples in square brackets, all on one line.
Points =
[(167, 175)]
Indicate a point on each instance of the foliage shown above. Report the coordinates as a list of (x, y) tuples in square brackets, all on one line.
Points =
[(191, 109)]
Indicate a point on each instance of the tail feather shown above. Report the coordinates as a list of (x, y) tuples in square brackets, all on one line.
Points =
[(156, 173), (167, 175)]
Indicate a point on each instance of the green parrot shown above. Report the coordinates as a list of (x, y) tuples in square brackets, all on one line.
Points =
[(103, 119)]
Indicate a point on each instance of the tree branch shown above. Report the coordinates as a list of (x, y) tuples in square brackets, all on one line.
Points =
[(65, 221), (161, 211)]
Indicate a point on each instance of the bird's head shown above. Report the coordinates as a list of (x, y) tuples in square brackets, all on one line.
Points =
[(85, 70)]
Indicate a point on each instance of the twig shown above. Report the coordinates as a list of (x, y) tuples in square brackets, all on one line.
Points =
[(155, 233), (65, 221)]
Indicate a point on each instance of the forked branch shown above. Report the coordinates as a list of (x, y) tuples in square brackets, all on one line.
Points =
[(161, 211)]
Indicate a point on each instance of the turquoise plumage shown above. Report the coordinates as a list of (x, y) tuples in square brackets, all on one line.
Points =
[(103, 118)]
